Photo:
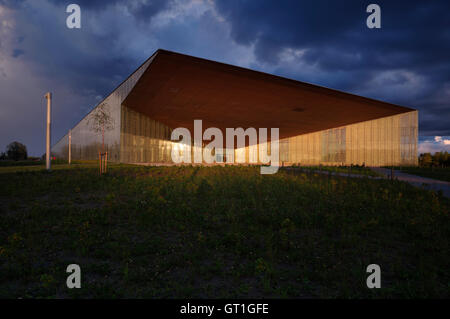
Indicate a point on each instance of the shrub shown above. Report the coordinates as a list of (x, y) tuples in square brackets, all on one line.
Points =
[(16, 151)]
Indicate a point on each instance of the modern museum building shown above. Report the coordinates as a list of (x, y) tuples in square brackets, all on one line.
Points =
[(316, 125)]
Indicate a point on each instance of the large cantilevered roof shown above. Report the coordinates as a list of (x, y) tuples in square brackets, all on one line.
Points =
[(177, 89)]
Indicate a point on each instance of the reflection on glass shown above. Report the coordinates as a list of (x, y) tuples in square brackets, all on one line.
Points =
[(137, 138)]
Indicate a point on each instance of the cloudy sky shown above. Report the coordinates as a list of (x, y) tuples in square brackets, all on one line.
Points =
[(321, 42)]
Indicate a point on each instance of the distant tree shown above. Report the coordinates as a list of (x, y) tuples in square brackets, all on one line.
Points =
[(438, 159), (101, 121), (3, 156), (16, 151), (447, 159), (425, 159)]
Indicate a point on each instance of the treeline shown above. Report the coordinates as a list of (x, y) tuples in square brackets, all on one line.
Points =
[(15, 151), (438, 159)]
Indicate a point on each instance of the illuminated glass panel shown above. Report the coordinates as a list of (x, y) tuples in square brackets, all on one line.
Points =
[(386, 141)]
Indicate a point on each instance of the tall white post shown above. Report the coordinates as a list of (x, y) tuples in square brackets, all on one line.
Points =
[(70, 146), (48, 161)]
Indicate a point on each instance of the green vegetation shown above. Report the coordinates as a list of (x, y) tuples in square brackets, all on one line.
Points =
[(7, 163), (354, 169), (166, 232), (15, 151), (438, 159)]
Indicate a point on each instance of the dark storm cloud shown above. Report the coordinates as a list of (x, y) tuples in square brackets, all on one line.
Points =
[(88, 4), (415, 36), (11, 3), (141, 9), (145, 10), (418, 28), (321, 42), (100, 68), (81, 66), (17, 52)]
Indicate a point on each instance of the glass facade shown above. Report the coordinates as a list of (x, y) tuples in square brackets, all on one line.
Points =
[(143, 140), (333, 145), (136, 138), (386, 141), (86, 142)]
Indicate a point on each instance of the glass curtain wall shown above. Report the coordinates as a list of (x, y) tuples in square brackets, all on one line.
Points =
[(386, 141), (143, 140), (136, 138), (86, 141)]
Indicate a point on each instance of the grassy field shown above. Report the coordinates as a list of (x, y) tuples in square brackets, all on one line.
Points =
[(358, 170), (438, 173), (166, 232), (8, 163)]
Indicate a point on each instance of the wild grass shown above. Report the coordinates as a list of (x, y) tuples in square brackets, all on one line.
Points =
[(186, 232), (354, 169), (29, 162)]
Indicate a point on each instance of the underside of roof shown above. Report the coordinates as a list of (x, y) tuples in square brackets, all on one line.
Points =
[(177, 89)]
